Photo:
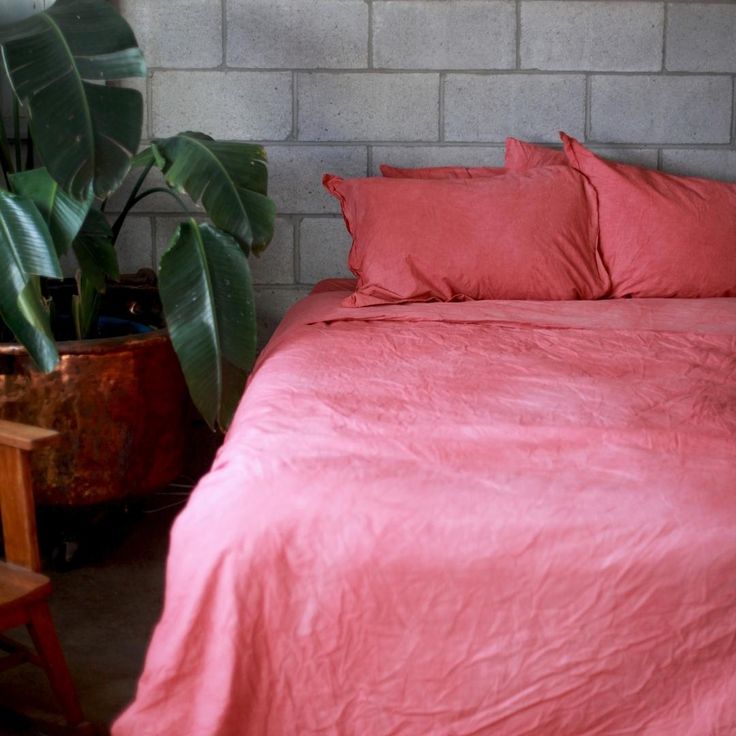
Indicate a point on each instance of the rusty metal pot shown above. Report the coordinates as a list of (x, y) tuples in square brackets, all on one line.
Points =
[(122, 407)]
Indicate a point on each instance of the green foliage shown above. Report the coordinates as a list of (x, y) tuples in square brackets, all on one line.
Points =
[(85, 133), (206, 292), (63, 214), (84, 305), (228, 177), (26, 251), (94, 249), (85, 136), (204, 276)]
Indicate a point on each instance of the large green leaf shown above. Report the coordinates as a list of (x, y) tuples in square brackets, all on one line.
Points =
[(26, 251), (228, 177), (63, 214), (95, 251), (207, 296), (85, 133), (28, 320)]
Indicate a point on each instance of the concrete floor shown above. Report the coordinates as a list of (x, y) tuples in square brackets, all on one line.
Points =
[(105, 609)]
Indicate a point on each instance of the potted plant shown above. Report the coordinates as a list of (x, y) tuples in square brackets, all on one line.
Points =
[(118, 399)]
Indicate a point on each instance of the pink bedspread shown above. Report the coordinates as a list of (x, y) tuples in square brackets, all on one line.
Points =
[(465, 519)]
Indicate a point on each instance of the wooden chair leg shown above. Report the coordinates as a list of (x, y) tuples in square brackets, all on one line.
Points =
[(43, 633)]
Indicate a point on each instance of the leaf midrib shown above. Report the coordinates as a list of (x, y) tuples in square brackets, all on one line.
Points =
[(80, 85), (221, 166), (24, 274), (209, 295)]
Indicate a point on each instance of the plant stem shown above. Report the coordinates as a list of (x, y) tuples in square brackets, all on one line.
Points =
[(16, 135), (6, 167), (132, 202), (85, 306), (164, 190), (30, 153), (139, 183), (5, 156)]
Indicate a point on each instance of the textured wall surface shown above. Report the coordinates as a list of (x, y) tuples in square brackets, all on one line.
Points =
[(344, 85)]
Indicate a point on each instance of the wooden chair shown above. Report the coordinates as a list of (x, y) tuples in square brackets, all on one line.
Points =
[(24, 592)]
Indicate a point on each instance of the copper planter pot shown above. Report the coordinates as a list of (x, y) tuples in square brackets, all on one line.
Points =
[(122, 407)]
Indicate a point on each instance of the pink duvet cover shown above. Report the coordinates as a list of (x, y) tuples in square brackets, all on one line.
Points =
[(505, 518)]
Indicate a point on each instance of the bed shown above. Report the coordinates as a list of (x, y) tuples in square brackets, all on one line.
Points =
[(463, 519)]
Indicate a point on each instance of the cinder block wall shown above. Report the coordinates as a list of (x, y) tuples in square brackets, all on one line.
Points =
[(344, 85)]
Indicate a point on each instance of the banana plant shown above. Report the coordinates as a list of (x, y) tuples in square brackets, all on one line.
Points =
[(204, 277), (81, 143), (83, 133)]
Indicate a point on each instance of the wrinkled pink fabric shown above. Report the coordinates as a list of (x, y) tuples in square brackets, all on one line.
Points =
[(501, 518)]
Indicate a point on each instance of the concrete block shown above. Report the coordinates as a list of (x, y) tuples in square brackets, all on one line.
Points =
[(363, 107), (425, 34), (712, 164), (272, 303), (646, 157), (530, 106), (701, 37), (12, 11), (413, 156), (135, 245), (324, 244), (295, 175), (187, 33), (274, 266), (285, 34), (591, 36), (661, 109), (230, 105)]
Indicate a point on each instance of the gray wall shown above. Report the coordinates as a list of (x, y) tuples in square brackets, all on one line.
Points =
[(344, 85), (13, 10)]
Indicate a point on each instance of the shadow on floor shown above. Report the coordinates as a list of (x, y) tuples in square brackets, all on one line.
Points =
[(105, 609)]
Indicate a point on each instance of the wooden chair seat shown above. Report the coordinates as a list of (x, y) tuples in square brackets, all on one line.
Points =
[(20, 587)]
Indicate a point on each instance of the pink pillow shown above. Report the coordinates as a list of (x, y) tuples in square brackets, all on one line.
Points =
[(521, 235), (521, 155), (441, 172), (661, 235)]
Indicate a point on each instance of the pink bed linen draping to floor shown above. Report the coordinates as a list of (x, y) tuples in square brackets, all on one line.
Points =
[(491, 518)]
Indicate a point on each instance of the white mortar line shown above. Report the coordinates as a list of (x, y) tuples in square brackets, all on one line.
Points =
[(441, 108), (370, 35), (518, 34), (665, 24)]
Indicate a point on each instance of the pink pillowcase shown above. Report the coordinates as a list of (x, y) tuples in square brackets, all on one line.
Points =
[(661, 235), (521, 155), (441, 172), (525, 235)]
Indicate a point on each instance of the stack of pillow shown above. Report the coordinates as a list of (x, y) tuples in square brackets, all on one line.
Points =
[(550, 225)]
